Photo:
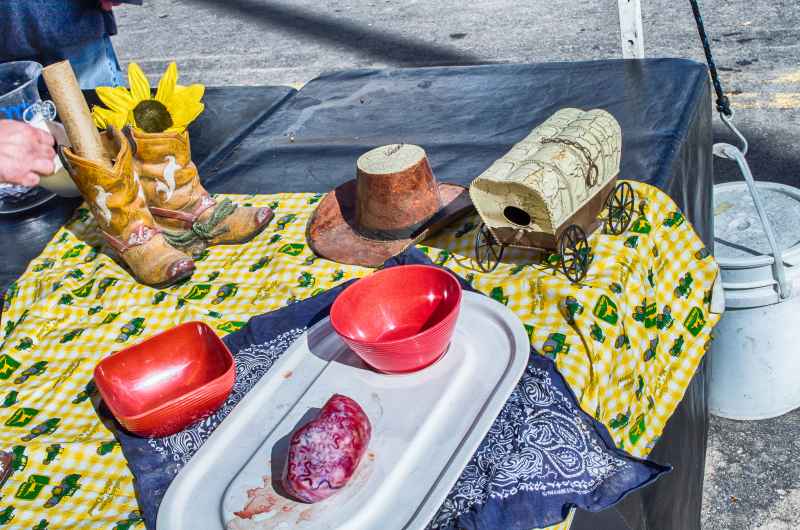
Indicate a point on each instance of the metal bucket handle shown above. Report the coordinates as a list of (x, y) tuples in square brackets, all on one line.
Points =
[(731, 152)]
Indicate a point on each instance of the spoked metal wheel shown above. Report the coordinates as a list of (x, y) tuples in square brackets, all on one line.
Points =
[(488, 252), (575, 253), (620, 206)]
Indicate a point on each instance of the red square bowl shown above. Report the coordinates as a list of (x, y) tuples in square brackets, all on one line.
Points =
[(163, 384)]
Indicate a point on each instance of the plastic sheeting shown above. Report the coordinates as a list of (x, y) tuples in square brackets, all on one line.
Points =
[(271, 139)]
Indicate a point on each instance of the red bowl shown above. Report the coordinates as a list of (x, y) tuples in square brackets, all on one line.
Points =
[(399, 319), (163, 384)]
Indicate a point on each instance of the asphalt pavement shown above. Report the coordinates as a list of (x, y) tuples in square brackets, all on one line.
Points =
[(752, 472)]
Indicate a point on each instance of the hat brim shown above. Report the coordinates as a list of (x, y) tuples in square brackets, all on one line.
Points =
[(331, 231)]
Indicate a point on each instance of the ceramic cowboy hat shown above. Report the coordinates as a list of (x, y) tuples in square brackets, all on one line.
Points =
[(393, 203)]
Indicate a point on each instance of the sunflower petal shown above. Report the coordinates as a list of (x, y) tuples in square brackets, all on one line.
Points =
[(140, 86), (190, 93), (185, 114), (105, 117), (117, 99), (166, 86)]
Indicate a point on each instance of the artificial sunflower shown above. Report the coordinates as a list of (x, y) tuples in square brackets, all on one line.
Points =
[(172, 109)]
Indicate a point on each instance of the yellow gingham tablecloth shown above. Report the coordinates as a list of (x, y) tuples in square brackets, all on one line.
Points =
[(628, 338)]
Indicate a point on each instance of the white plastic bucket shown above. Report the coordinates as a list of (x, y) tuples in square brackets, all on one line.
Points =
[(755, 356)]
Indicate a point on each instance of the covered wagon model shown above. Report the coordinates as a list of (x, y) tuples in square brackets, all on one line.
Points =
[(549, 191)]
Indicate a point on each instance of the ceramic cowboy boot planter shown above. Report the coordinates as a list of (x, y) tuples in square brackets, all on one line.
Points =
[(116, 199), (190, 218)]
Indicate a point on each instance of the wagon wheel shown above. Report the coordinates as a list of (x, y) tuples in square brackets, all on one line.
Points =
[(575, 252), (488, 252), (620, 206)]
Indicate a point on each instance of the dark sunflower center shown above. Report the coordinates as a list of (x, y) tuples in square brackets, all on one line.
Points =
[(152, 116)]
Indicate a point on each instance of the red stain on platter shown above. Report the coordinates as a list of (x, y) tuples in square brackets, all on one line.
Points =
[(371, 455), (288, 374), (306, 515), (260, 500)]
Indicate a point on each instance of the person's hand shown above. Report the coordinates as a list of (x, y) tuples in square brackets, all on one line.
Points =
[(25, 153)]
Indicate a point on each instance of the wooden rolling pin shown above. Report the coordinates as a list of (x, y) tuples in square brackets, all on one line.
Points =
[(71, 105)]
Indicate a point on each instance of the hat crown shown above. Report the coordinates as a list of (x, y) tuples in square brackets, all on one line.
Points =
[(396, 192)]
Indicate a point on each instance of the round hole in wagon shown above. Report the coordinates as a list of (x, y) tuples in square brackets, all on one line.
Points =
[(517, 216)]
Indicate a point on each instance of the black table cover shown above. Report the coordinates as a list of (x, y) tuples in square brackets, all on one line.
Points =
[(268, 140)]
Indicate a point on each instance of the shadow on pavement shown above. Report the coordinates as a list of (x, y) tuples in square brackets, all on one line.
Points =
[(372, 43)]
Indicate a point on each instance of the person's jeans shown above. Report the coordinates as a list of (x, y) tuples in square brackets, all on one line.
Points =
[(94, 62)]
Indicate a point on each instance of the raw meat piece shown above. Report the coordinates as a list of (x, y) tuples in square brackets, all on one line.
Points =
[(324, 454)]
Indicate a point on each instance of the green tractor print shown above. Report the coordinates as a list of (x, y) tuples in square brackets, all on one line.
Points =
[(639, 387), (75, 274), (214, 314), (202, 256), (8, 365), (442, 258), (641, 226), (622, 341), (88, 391), (306, 280), (43, 524), (180, 303), (32, 487), (616, 287), (21, 417), (555, 344), (291, 300), (51, 453), (111, 317), (274, 239), (56, 286), (677, 347), (11, 292), (469, 278), (702, 254), (260, 264), (654, 251), (45, 264), (74, 252), (695, 321), (337, 275), (529, 331), (91, 255), (274, 205), (310, 260), (198, 291), (133, 519), (646, 313), (25, 343), (632, 242), (6, 515), (285, 220), (468, 227), (103, 286), (63, 238), (159, 297), (292, 249), (82, 214), (597, 333), (651, 351), (67, 488), (11, 399), (18, 459), (66, 299), (106, 448), (606, 310), (684, 288), (498, 295), (231, 326), (132, 329), (664, 320), (84, 290), (572, 307), (650, 279), (71, 335), (314, 199), (620, 420), (638, 429), (94, 310), (37, 368), (225, 292), (674, 219), (46, 427)]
